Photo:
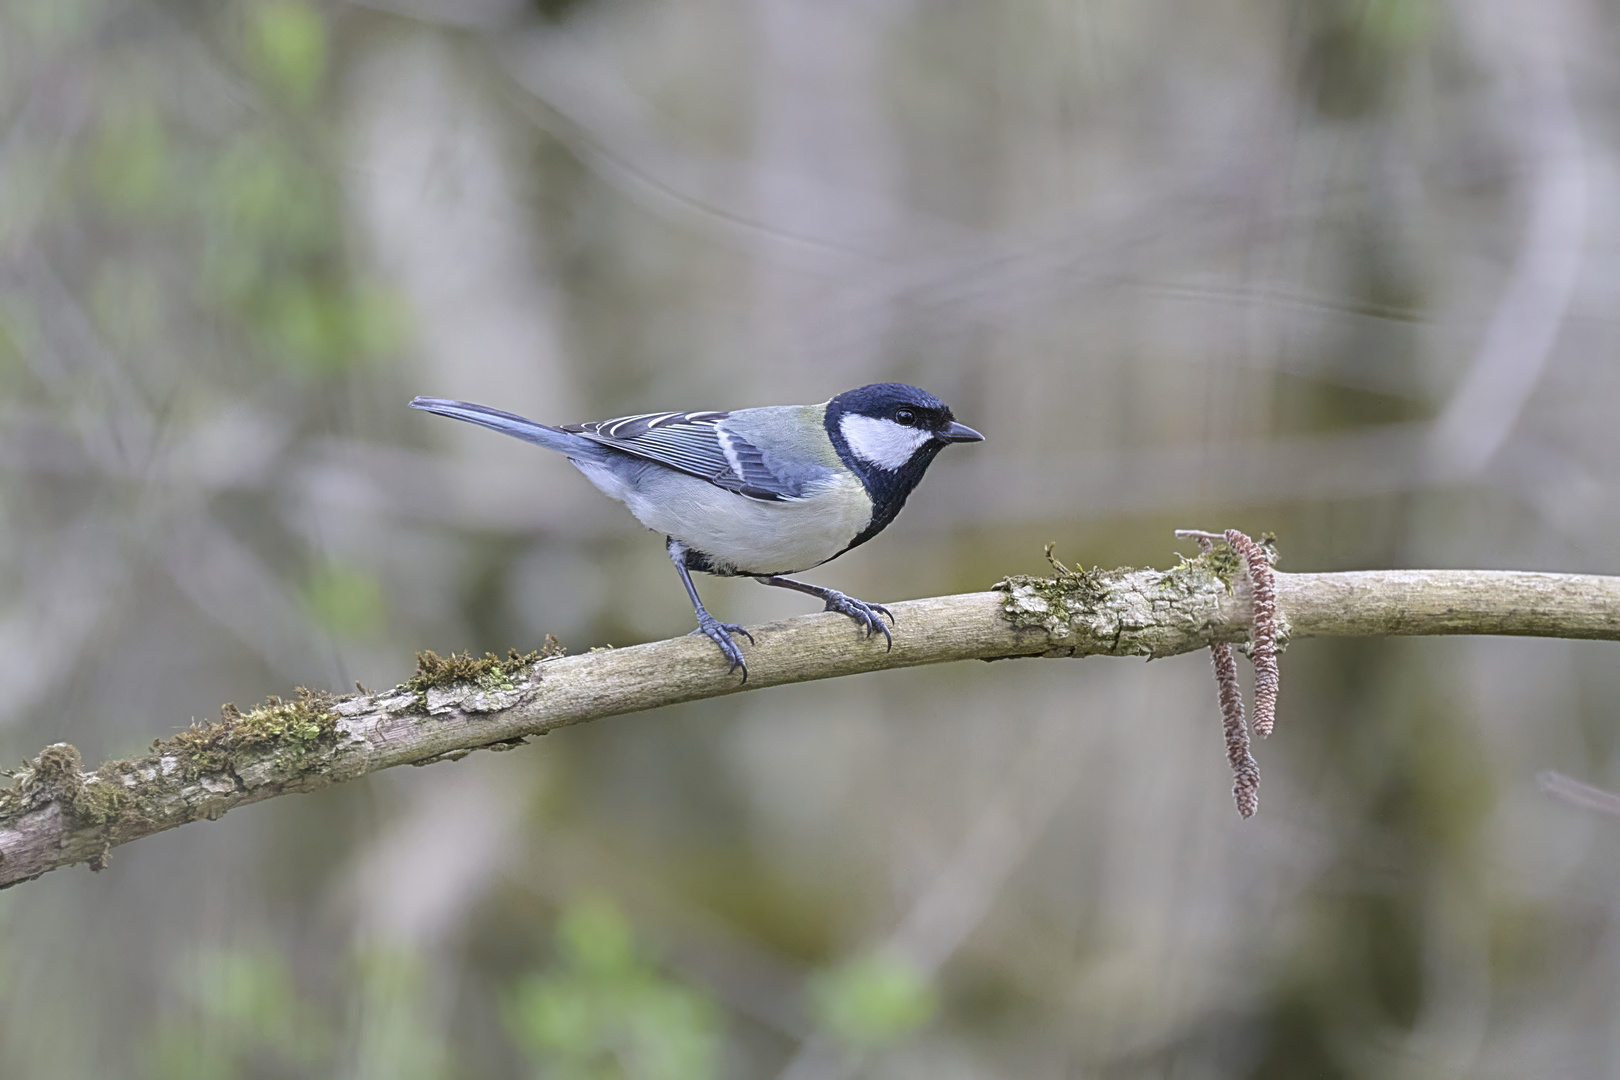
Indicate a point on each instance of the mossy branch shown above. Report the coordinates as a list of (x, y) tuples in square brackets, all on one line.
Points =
[(55, 814)]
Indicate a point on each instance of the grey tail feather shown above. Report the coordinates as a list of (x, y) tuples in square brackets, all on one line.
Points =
[(506, 423)]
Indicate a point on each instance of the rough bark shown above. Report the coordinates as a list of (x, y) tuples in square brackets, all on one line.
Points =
[(55, 814)]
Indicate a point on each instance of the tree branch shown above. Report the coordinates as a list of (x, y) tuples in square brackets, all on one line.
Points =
[(56, 815)]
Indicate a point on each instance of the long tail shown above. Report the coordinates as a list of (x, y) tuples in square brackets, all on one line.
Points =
[(507, 424)]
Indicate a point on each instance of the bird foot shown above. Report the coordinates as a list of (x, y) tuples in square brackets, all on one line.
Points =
[(720, 633), (865, 615)]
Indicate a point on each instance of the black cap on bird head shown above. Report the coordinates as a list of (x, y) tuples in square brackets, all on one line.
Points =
[(888, 434)]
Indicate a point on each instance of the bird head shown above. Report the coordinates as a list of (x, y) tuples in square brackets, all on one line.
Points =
[(888, 435), (888, 427)]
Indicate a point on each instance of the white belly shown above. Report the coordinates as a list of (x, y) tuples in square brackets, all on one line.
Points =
[(742, 535)]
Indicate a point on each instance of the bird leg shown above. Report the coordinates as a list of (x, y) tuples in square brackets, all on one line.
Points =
[(716, 631), (864, 614)]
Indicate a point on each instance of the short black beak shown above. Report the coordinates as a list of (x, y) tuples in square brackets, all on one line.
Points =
[(960, 433)]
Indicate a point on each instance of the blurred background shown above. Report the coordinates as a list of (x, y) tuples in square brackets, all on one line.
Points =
[(1340, 269)]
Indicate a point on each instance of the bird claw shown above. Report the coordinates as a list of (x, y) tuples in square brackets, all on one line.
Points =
[(865, 614), (720, 633)]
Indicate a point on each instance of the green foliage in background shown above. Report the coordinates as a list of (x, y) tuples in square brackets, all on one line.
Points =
[(388, 1027), (231, 215), (130, 159), (1355, 51), (346, 600), (289, 45), (603, 1013), (873, 1002), (1396, 23), (272, 257), (243, 1015)]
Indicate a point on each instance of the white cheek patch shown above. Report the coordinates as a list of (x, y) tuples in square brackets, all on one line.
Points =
[(883, 443)]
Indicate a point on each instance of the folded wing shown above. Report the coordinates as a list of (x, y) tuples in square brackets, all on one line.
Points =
[(698, 443)]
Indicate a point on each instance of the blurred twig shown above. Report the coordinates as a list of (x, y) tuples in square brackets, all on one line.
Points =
[(1524, 328), (945, 913), (1576, 793), (55, 815)]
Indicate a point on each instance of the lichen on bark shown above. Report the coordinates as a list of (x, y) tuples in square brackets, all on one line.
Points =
[(1125, 611)]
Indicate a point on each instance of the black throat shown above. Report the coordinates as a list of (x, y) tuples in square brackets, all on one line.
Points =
[(887, 488)]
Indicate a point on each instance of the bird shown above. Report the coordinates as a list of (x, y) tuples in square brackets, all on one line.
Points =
[(760, 492)]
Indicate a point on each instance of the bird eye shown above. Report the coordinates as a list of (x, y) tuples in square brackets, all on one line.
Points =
[(905, 417)]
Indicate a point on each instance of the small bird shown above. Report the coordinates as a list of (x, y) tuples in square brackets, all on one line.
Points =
[(759, 492)]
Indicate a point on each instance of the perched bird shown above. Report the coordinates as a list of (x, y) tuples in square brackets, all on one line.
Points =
[(756, 492)]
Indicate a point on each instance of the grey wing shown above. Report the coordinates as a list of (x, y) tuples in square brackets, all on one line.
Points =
[(697, 443)]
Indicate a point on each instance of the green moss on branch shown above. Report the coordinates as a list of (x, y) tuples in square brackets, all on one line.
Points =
[(488, 672), (280, 729)]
